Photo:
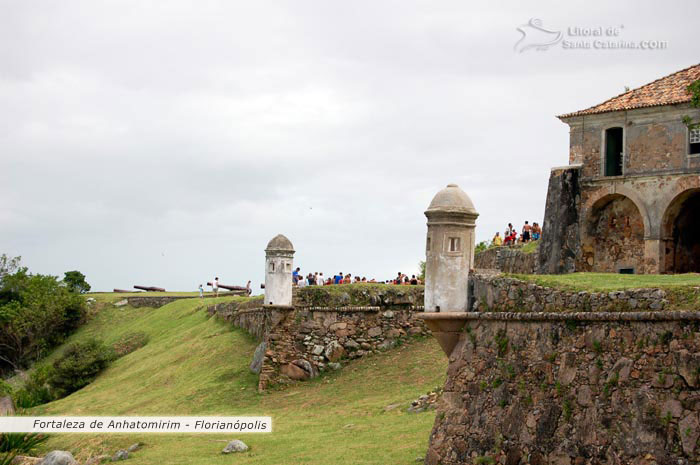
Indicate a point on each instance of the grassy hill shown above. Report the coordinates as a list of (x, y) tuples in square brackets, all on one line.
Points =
[(194, 364)]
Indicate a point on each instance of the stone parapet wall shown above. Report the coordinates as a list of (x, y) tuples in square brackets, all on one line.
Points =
[(507, 260), (157, 301), (153, 301), (300, 342), (501, 293), (487, 259), (583, 388)]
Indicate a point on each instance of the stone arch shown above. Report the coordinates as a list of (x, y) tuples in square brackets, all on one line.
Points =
[(600, 198), (680, 230), (613, 238)]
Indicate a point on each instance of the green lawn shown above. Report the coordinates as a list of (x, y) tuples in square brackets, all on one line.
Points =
[(597, 282), (530, 247), (120, 295), (197, 365)]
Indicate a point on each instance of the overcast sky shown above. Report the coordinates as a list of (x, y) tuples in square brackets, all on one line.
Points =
[(163, 143)]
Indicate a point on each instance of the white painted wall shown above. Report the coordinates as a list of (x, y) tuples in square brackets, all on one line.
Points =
[(278, 278)]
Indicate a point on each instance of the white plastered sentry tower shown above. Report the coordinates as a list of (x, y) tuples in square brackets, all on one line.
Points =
[(449, 250), (279, 263)]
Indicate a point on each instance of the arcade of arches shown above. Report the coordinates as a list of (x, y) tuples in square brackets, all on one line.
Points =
[(613, 239)]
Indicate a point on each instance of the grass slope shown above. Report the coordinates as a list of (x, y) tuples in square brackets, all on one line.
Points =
[(598, 282), (196, 365)]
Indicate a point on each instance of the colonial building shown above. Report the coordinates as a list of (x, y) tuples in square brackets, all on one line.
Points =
[(629, 200)]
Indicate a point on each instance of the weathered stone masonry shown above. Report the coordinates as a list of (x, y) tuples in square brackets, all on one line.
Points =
[(156, 301), (495, 292), (299, 342), (577, 388), (507, 260)]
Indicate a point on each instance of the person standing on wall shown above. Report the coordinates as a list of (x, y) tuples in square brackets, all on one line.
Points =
[(536, 231), (201, 291), (526, 233), (497, 239), (215, 286)]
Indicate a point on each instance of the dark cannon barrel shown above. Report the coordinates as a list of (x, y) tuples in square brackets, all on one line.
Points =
[(150, 288)]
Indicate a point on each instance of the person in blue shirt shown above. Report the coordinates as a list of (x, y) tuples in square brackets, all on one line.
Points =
[(295, 275)]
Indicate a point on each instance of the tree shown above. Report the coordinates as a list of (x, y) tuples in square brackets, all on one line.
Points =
[(75, 281), (481, 246), (8, 265), (37, 312), (421, 265)]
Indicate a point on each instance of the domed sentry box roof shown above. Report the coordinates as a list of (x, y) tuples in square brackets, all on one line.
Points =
[(279, 243), (452, 198), (452, 202)]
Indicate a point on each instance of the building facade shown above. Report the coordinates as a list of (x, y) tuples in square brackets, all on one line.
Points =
[(629, 200)]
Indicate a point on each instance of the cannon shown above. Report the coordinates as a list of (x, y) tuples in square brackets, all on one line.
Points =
[(121, 291), (236, 289), (150, 288)]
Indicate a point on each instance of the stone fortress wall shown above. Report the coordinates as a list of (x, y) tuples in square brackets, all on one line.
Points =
[(323, 327), (549, 376), (507, 260), (577, 388), (495, 292)]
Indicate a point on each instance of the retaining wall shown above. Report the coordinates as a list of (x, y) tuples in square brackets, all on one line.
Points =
[(494, 292), (156, 301), (299, 342), (507, 260), (577, 388)]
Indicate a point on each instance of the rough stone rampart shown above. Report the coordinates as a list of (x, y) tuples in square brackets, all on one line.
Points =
[(157, 301), (507, 260), (494, 292), (301, 341), (580, 388)]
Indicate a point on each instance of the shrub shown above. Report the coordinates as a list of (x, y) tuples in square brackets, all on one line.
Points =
[(5, 388), (37, 312), (36, 390), (129, 343), (79, 365)]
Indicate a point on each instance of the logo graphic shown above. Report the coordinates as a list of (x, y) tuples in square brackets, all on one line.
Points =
[(535, 36)]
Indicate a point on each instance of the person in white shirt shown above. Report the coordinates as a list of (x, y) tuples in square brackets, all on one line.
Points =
[(215, 287)]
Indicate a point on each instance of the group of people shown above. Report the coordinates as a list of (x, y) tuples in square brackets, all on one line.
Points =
[(215, 288), (510, 236), (403, 279), (317, 279)]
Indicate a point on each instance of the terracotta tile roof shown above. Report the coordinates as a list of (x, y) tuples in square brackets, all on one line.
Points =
[(664, 91)]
